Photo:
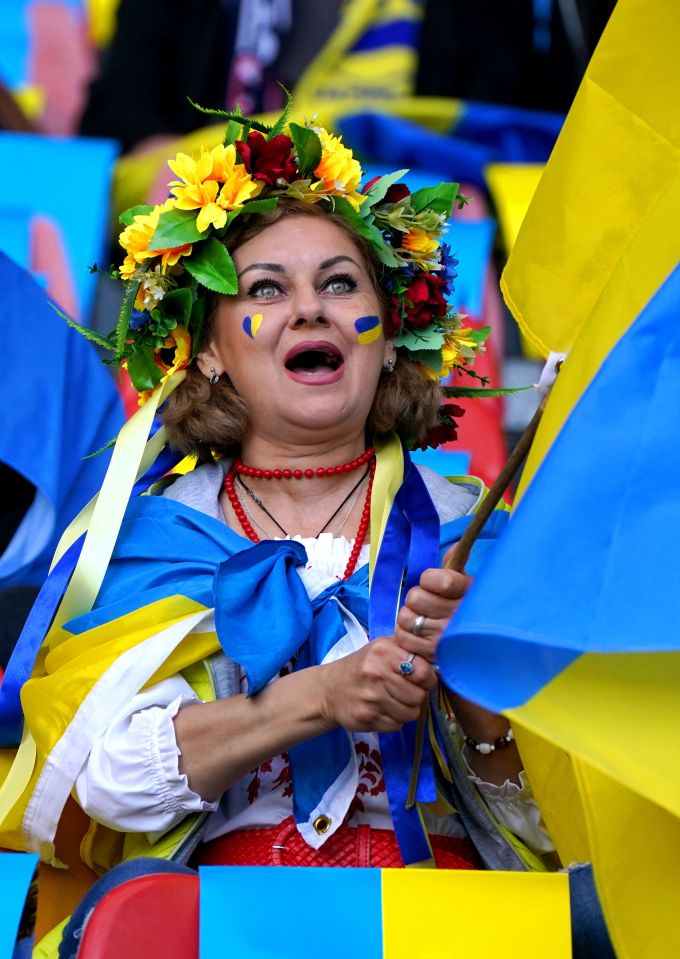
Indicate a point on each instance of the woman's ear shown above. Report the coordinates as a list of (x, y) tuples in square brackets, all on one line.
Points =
[(209, 362), (390, 357)]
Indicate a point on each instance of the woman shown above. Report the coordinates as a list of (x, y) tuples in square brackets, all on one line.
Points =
[(246, 718)]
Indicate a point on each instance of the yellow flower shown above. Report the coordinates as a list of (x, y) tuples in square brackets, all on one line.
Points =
[(238, 185), (136, 237), (457, 349), (201, 197), (339, 173), (215, 167), (191, 171), (419, 242), (181, 341)]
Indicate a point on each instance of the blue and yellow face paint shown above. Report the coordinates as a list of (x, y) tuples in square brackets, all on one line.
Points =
[(251, 324), (369, 329)]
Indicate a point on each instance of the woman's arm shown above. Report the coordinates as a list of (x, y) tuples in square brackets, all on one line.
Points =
[(220, 741)]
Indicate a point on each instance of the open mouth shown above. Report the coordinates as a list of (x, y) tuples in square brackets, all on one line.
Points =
[(314, 361)]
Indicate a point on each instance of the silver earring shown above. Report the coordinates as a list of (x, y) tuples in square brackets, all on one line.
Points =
[(214, 376), (388, 366)]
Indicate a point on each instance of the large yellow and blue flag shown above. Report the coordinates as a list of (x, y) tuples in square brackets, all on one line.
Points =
[(571, 629)]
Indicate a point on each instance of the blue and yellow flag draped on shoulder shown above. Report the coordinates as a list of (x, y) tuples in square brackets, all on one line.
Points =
[(571, 630), (176, 587)]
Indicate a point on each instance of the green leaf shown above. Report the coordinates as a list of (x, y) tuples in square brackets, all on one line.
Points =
[(232, 133), (280, 124), (126, 307), (259, 206), (237, 117), (307, 147), (439, 198), (429, 339), (197, 325), (91, 335), (265, 205), (478, 336), (127, 216), (429, 358), (367, 230), (102, 449), (176, 305), (211, 265), (471, 392), (143, 370), (380, 188), (175, 228)]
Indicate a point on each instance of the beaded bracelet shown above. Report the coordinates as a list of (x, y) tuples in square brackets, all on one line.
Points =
[(485, 748)]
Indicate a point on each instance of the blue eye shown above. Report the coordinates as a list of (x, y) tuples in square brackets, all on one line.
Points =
[(340, 283), (265, 288)]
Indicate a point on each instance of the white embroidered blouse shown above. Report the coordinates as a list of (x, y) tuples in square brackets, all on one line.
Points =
[(131, 780)]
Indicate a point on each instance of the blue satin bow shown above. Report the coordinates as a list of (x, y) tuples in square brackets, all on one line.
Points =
[(264, 617)]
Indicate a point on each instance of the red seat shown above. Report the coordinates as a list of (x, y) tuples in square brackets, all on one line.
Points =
[(150, 917)]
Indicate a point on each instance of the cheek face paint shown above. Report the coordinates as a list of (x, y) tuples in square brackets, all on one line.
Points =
[(251, 324), (369, 329)]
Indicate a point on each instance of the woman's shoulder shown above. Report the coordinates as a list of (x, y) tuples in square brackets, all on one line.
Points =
[(200, 489), (452, 498)]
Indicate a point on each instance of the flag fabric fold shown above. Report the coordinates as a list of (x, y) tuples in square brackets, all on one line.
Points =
[(578, 644)]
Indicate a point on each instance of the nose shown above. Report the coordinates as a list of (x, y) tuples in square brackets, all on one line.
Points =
[(308, 307)]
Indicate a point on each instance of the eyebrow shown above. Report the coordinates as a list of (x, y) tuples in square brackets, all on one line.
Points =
[(279, 268), (273, 267), (336, 259)]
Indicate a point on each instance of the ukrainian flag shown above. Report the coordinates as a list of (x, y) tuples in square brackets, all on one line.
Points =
[(382, 913), (571, 629)]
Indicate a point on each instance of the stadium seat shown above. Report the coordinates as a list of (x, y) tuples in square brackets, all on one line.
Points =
[(150, 917)]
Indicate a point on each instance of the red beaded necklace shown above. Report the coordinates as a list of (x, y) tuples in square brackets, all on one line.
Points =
[(239, 467)]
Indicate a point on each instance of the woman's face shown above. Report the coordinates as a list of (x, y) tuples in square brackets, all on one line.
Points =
[(302, 341)]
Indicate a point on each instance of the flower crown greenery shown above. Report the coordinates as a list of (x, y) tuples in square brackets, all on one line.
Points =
[(175, 250)]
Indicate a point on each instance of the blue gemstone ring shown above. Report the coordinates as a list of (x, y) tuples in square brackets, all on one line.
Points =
[(406, 668)]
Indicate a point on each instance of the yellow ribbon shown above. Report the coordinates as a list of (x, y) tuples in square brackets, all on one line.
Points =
[(18, 777), (389, 473), (102, 517)]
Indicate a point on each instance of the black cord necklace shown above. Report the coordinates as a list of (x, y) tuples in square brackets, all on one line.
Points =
[(256, 499)]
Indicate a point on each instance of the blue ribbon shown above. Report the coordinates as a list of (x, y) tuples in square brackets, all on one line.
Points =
[(22, 660), (410, 545), (262, 612), (264, 578)]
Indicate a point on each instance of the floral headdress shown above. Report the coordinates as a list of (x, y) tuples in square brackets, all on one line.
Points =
[(175, 250)]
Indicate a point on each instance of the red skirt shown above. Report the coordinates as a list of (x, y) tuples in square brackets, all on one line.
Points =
[(283, 845)]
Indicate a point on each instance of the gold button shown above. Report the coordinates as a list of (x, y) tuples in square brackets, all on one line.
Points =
[(321, 825)]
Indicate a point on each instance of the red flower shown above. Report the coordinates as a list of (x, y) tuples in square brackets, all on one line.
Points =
[(445, 431), (396, 193), (367, 186), (268, 160), (426, 299)]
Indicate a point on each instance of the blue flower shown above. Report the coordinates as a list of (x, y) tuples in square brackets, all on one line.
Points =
[(138, 319), (449, 263)]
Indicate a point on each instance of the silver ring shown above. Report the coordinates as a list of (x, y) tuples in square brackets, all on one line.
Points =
[(418, 624), (406, 667)]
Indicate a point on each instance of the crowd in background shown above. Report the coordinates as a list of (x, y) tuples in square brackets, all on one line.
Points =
[(126, 72)]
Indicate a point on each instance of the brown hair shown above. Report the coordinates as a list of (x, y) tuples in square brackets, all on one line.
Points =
[(202, 419)]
